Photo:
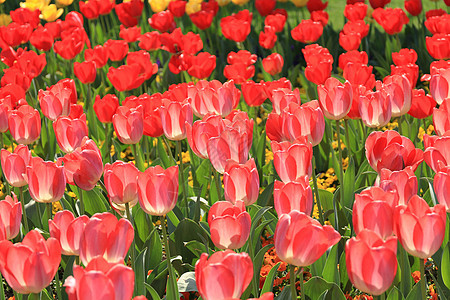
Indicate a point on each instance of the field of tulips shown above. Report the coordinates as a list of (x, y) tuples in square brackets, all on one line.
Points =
[(225, 149)]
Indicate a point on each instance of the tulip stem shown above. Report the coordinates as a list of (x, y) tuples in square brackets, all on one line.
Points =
[(218, 184), (49, 210), (341, 168), (133, 247), (316, 190), (347, 137), (137, 158), (423, 280), (58, 285), (255, 276), (90, 112), (24, 212), (292, 281), (2, 291), (109, 131), (169, 264), (183, 180), (80, 197)]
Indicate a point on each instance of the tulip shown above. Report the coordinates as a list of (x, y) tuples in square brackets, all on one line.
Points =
[(30, 266), (85, 71), (83, 167), (371, 261), (162, 21), (265, 7), (294, 195), (126, 77), (335, 98), (202, 65), (229, 224), (350, 41), (301, 240), (436, 154), (121, 184), (70, 132), (400, 90), (14, 165), (391, 19), (202, 19), (316, 5), (356, 27), (268, 37), (25, 124), (130, 34), (439, 46), (439, 86), (106, 107), (46, 180), (16, 77), (128, 124), (404, 182), (15, 34), (420, 228), (392, 151), (68, 230), (307, 31), (237, 26), (129, 12), (105, 236), (98, 55), (55, 101), (319, 72), (225, 275), (254, 93), (422, 105), (359, 74), (158, 190), (375, 108), (201, 131), (320, 16), (411, 71), (273, 64), (292, 160), (42, 39), (241, 182), (174, 116), (10, 217), (277, 20), (239, 72), (150, 41), (355, 12), (70, 45), (116, 281), (404, 57), (30, 63), (177, 8)]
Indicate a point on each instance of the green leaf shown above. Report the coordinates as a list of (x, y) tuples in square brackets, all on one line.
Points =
[(416, 292), (268, 283), (445, 266), (188, 230), (330, 272), (139, 271), (406, 278), (152, 292), (349, 185), (153, 257), (317, 285), (142, 223), (94, 202), (395, 294), (165, 159), (266, 195)]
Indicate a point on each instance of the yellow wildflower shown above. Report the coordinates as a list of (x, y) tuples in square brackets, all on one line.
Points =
[(51, 13), (72, 194), (299, 3), (269, 156), (185, 158), (158, 5), (63, 3), (35, 4), (56, 206), (4, 19)]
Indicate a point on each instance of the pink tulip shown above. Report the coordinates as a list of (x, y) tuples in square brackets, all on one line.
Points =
[(375, 108), (174, 116), (70, 132), (100, 280), (292, 160), (437, 154), (440, 85), (199, 133), (441, 184), (420, 228), (46, 180), (400, 90), (441, 118), (403, 182), (241, 182), (10, 217), (294, 195), (225, 275), (301, 240), (4, 112), (229, 224), (377, 276), (335, 98), (14, 165), (158, 190), (282, 97), (30, 266), (105, 236), (121, 184), (25, 124), (128, 124), (68, 230), (55, 101), (84, 166)]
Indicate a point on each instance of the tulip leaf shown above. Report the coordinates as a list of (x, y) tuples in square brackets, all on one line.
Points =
[(45, 295), (416, 292), (316, 286), (318, 266), (395, 294), (268, 283), (259, 258), (349, 185), (139, 271), (94, 202), (445, 266), (330, 272), (405, 282), (196, 247), (203, 172), (285, 294), (154, 256), (162, 154), (345, 281), (266, 195), (152, 292)]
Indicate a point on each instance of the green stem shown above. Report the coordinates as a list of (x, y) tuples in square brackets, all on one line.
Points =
[(380, 297), (24, 212), (34, 296), (16, 295), (133, 247), (168, 256), (80, 197), (58, 286), (400, 120), (218, 184), (109, 131), (183, 180), (168, 148), (137, 158), (347, 137), (102, 185), (301, 284), (49, 210), (423, 280), (292, 282), (363, 127), (255, 276), (316, 190), (2, 291), (341, 168), (90, 112)]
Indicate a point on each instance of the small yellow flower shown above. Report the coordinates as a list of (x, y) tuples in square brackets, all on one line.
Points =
[(63, 3), (193, 6), (51, 13), (240, 2), (223, 2), (35, 4), (158, 5), (5, 19), (56, 206), (72, 194), (185, 157), (299, 3)]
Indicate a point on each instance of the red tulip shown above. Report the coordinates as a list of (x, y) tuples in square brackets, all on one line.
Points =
[(68, 230), (42, 38), (201, 66), (335, 98), (174, 116), (84, 166), (301, 240), (142, 58), (315, 5), (225, 275), (414, 7), (199, 133), (392, 151), (116, 49), (30, 63), (320, 16), (439, 46), (441, 183), (237, 26), (294, 195), (440, 85), (151, 107), (162, 21), (25, 124), (4, 112), (128, 124), (158, 190), (282, 97), (354, 57), (229, 224), (273, 64), (359, 74), (202, 19), (319, 73), (420, 228), (411, 71), (307, 31), (391, 19), (350, 41), (55, 101), (403, 182), (355, 12), (126, 77), (436, 154), (268, 37), (292, 161), (254, 93), (70, 132), (276, 20), (71, 44), (25, 16), (90, 9), (374, 278), (150, 41), (438, 24), (121, 184), (105, 236), (379, 3), (177, 8), (30, 266), (241, 182), (129, 12), (98, 54), (400, 90), (106, 107), (116, 281), (265, 7), (404, 57), (15, 34), (85, 71), (130, 34), (239, 72), (441, 118), (14, 165), (11, 216), (421, 105), (375, 108)]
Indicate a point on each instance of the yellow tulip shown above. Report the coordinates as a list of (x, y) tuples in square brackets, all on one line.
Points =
[(193, 6), (35, 4), (51, 13), (240, 2), (299, 3), (223, 2), (158, 5), (63, 3), (5, 19), (2, 1)]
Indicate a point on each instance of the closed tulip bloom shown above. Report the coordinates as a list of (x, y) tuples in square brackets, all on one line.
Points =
[(4, 111), (70, 132), (441, 184), (85, 71), (294, 195), (55, 101), (68, 230), (420, 228), (128, 124), (100, 280), (14, 165), (105, 236), (98, 55), (392, 151), (30, 266), (436, 152), (301, 240), (350, 41), (371, 261), (158, 190), (441, 118), (273, 64), (225, 275), (307, 31), (199, 133), (268, 37), (292, 160), (335, 98), (106, 107), (359, 74), (84, 166), (201, 65), (422, 105), (355, 12), (46, 180), (162, 21), (25, 124), (400, 90), (174, 116), (375, 108), (391, 19), (403, 182), (277, 20), (10, 217), (440, 85), (254, 93), (237, 26), (241, 182), (439, 45), (404, 57), (265, 7), (229, 224), (319, 72), (129, 12), (121, 184), (116, 49), (126, 77)]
